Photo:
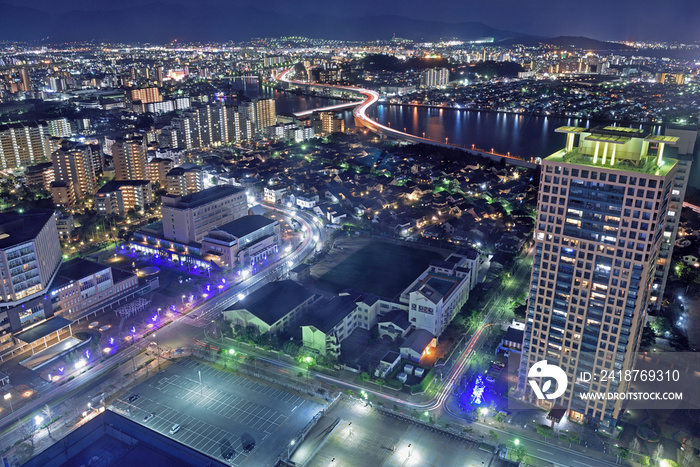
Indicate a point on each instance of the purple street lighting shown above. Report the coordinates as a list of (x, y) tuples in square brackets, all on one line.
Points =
[(133, 329), (111, 341), (155, 317)]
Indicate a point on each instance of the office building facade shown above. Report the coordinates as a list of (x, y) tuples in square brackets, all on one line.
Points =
[(186, 219), (600, 221)]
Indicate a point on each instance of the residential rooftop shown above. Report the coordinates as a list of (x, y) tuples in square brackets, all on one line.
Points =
[(115, 185)]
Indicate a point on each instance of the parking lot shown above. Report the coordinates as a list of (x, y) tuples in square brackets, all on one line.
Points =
[(223, 415), (366, 436)]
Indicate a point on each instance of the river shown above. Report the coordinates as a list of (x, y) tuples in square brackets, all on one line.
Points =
[(521, 135)]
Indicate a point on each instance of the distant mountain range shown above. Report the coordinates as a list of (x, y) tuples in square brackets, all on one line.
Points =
[(161, 23), (564, 42)]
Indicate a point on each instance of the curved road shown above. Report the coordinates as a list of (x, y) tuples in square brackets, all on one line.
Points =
[(205, 311), (371, 98)]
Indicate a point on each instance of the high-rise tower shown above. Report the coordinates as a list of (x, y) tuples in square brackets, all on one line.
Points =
[(600, 221), (130, 158)]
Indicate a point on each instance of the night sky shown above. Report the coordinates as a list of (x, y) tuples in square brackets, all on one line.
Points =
[(667, 20)]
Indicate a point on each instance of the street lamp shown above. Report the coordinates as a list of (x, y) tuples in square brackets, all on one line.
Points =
[(517, 441), (157, 349), (8, 397)]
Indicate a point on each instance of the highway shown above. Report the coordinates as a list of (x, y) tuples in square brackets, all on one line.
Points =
[(371, 98)]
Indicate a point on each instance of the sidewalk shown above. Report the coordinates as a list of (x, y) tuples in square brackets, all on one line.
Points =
[(517, 430)]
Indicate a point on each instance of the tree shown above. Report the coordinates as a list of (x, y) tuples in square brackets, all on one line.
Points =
[(661, 325), (290, 348), (688, 454), (635, 446), (28, 431), (519, 453), (545, 431), (623, 453), (24, 452), (493, 435), (648, 338), (571, 438), (658, 453)]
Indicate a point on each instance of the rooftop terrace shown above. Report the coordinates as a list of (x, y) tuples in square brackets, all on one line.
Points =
[(648, 164)]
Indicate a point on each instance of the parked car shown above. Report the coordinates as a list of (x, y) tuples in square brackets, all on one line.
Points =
[(175, 428), (148, 417), (133, 397), (490, 379)]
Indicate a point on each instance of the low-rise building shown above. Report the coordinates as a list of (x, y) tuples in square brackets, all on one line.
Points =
[(272, 308), (394, 324), (335, 214), (417, 344), (65, 225), (306, 201), (387, 364), (274, 193), (245, 242), (81, 285), (513, 338), (436, 296), (300, 273), (331, 321)]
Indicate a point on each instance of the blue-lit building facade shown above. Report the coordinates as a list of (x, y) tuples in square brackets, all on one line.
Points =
[(600, 222)]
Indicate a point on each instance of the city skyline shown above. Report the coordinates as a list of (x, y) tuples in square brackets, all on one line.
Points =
[(398, 233)]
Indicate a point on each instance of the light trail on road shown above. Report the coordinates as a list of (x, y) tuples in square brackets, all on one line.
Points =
[(205, 310), (360, 112)]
